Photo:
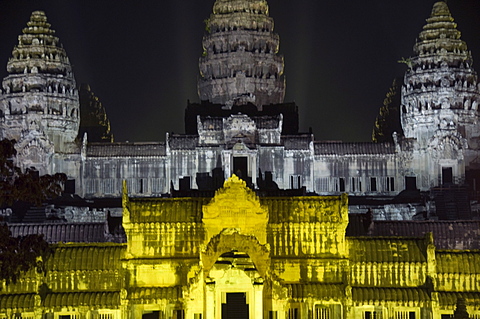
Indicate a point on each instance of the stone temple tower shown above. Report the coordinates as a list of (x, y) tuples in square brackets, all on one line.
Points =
[(440, 101), (240, 63), (39, 105)]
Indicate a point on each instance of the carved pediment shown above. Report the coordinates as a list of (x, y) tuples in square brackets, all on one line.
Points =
[(237, 207), (447, 145), (239, 127), (34, 149)]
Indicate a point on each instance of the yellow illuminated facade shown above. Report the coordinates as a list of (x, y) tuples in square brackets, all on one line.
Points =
[(238, 254)]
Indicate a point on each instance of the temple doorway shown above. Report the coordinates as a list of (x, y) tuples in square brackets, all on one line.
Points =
[(151, 315), (240, 167), (410, 183), (234, 287), (236, 306), (447, 175)]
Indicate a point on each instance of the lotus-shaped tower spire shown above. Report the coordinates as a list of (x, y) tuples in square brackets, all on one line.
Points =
[(441, 88), (39, 105), (240, 63)]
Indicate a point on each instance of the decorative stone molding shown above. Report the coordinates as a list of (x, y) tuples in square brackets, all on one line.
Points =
[(40, 88), (240, 63), (231, 239), (34, 149), (235, 207), (447, 145)]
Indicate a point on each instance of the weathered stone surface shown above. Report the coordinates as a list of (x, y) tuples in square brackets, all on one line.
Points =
[(40, 93), (177, 265), (440, 100), (440, 120), (39, 105), (240, 63), (237, 208)]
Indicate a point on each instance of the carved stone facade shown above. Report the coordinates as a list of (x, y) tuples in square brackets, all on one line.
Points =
[(276, 257), (39, 102), (262, 257), (240, 63), (440, 104), (242, 127), (438, 147)]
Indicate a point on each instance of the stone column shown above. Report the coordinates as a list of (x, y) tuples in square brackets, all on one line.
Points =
[(210, 305), (257, 304)]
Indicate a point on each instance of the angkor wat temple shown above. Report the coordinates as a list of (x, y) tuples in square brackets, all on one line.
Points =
[(243, 216)]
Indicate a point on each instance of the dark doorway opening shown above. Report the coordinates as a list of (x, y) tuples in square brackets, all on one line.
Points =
[(410, 183), (236, 306), (447, 175), (342, 184), (240, 167), (151, 315)]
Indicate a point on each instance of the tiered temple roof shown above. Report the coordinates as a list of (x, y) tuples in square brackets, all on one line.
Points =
[(40, 90), (241, 62), (440, 77), (341, 149), (126, 149)]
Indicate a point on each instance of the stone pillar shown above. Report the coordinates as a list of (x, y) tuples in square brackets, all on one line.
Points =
[(136, 312), (209, 300), (124, 306), (257, 304), (434, 305), (226, 163), (254, 168)]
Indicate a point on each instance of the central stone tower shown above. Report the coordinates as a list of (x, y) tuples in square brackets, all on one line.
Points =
[(240, 63)]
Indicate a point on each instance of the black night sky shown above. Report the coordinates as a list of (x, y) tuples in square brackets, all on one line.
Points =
[(140, 57)]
